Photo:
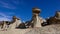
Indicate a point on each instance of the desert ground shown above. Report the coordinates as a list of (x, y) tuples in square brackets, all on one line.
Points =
[(50, 29)]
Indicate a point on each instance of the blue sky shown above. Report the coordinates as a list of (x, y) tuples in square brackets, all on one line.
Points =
[(23, 8)]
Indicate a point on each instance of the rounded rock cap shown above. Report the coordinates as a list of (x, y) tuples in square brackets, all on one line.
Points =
[(14, 17), (36, 10)]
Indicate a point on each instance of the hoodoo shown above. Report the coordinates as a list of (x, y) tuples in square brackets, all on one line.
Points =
[(36, 19)]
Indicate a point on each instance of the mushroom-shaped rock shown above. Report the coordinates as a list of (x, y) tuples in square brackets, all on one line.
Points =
[(36, 10)]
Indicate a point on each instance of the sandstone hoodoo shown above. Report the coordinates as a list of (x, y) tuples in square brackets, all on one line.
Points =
[(36, 19)]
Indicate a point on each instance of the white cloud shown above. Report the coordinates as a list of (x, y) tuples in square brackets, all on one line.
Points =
[(5, 17), (2, 14), (7, 5), (12, 4)]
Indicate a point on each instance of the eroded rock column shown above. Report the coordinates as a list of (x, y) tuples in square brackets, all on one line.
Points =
[(36, 20)]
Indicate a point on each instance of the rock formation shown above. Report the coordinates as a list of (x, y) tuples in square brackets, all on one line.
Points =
[(16, 22), (36, 19), (10, 25), (55, 19)]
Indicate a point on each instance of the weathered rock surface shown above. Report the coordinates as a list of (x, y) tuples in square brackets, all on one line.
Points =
[(50, 29)]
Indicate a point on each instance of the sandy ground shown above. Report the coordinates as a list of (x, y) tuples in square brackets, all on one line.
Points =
[(50, 29), (15, 31)]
